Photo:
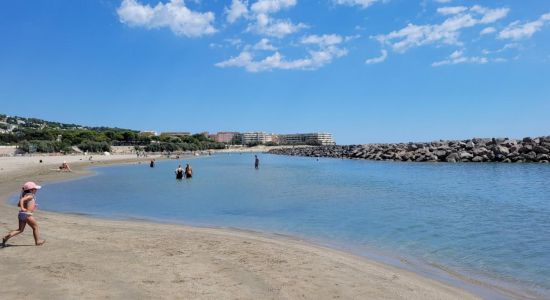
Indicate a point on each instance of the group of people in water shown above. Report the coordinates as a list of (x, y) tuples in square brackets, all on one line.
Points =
[(180, 172), (27, 201)]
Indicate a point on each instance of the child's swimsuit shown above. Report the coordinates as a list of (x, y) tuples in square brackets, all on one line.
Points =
[(23, 215)]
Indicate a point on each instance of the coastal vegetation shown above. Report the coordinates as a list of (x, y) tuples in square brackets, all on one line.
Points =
[(32, 135)]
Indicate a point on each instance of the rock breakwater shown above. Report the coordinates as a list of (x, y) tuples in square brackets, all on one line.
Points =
[(475, 150)]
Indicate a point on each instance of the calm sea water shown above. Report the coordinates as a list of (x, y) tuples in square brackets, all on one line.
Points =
[(484, 220)]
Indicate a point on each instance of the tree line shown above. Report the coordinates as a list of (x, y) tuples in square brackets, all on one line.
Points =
[(99, 139)]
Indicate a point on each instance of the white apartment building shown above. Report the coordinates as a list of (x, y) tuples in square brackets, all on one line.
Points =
[(256, 137), (307, 138)]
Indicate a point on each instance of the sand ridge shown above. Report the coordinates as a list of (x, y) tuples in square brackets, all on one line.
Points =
[(90, 258)]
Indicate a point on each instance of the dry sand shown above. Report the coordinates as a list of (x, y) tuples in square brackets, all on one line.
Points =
[(88, 258)]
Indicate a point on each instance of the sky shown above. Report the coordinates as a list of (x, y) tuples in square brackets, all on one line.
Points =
[(366, 71)]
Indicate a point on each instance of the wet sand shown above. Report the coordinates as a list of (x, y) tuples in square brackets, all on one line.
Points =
[(93, 258)]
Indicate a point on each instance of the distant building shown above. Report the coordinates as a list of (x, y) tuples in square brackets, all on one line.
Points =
[(175, 133), (226, 137), (148, 133), (256, 138), (306, 139)]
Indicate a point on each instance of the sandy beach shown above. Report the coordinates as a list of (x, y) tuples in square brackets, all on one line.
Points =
[(88, 258)]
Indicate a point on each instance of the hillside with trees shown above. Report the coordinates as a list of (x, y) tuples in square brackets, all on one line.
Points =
[(36, 135)]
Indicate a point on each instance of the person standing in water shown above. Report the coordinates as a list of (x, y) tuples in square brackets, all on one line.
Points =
[(179, 172), (152, 164), (256, 162), (188, 171), (27, 205)]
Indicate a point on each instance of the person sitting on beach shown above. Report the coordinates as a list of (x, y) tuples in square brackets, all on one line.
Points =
[(188, 171), (27, 205), (179, 172), (64, 167)]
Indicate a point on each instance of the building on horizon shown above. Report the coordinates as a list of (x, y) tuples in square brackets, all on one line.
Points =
[(227, 137), (256, 138), (148, 133), (317, 138), (175, 133)]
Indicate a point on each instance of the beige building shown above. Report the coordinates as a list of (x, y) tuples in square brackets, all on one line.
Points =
[(256, 137), (306, 138), (175, 133)]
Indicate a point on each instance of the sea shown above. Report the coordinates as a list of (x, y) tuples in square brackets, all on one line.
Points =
[(481, 223)]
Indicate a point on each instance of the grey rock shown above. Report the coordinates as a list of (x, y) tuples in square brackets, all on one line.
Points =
[(466, 155), (477, 159), (452, 158), (501, 150), (539, 149)]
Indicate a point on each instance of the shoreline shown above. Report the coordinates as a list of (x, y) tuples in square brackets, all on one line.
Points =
[(385, 289)]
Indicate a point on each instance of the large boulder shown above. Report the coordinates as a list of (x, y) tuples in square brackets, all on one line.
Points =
[(540, 150), (453, 157), (477, 159), (501, 150), (480, 151), (465, 155)]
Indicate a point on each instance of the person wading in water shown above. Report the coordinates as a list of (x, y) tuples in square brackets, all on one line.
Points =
[(188, 171), (179, 172)]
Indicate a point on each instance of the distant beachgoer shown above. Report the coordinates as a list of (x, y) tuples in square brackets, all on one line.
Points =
[(256, 162), (40, 161), (179, 172), (27, 205), (64, 167), (152, 163), (188, 171)]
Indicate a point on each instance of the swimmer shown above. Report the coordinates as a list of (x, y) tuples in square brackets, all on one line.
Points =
[(179, 172), (188, 171)]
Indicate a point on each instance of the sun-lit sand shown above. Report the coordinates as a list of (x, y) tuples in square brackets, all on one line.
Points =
[(94, 258)]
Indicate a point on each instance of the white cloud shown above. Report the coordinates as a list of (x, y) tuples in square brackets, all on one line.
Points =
[(458, 57), (451, 10), (266, 25), (361, 3), (517, 31), (376, 60), (237, 10), (327, 49), (322, 40), (447, 32), (271, 6), (488, 30), (264, 45), (174, 15)]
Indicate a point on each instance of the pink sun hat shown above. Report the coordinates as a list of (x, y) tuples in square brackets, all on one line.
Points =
[(31, 185)]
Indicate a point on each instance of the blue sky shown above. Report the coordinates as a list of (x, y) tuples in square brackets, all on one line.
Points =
[(364, 70)]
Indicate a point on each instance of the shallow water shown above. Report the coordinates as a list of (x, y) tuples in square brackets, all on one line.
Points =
[(488, 221)]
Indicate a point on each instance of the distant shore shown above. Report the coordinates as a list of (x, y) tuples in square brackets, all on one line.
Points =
[(94, 258)]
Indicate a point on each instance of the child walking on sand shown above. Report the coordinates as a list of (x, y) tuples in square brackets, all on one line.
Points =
[(27, 205)]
